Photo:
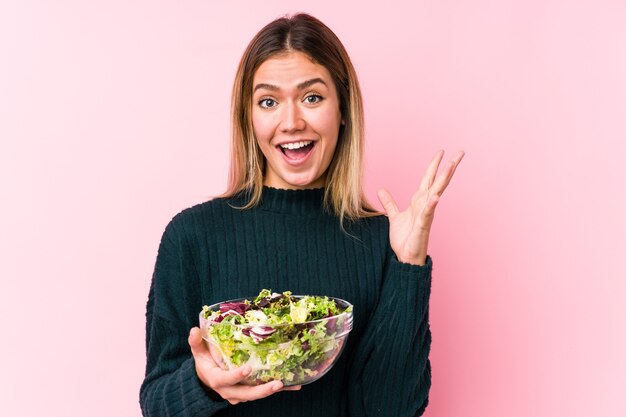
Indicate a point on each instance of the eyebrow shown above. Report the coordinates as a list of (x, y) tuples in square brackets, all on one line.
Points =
[(301, 86)]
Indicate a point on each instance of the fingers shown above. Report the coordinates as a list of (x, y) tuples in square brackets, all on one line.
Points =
[(222, 378), (431, 171), (199, 349), (241, 393), (227, 383), (206, 367), (389, 204), (428, 214), (210, 371), (292, 388), (443, 179)]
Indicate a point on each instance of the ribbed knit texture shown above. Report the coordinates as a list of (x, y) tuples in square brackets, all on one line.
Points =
[(214, 252)]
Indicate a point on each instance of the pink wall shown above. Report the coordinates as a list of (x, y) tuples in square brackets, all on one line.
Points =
[(114, 116)]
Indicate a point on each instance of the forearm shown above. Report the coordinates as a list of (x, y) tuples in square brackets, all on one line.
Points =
[(171, 386), (390, 372), (178, 394)]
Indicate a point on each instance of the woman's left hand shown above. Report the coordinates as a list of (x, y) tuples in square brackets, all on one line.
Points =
[(409, 229)]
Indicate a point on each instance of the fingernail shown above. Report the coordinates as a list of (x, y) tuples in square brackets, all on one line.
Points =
[(246, 370), (277, 385)]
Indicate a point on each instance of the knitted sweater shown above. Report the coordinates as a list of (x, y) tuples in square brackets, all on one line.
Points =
[(214, 252)]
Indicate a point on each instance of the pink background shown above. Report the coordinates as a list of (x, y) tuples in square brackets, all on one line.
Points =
[(114, 116)]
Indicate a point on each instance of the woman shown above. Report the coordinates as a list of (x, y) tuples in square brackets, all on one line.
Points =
[(295, 218)]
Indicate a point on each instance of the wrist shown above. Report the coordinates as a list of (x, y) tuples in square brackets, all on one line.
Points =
[(418, 260)]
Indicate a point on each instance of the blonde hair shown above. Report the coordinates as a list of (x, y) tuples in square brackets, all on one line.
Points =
[(303, 33)]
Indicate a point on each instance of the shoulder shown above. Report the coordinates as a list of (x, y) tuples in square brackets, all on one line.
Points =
[(204, 209), (200, 218)]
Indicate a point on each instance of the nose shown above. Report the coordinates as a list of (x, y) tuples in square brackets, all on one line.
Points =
[(291, 118)]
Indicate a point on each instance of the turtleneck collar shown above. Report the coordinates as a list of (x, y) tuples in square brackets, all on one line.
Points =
[(306, 201), (292, 201)]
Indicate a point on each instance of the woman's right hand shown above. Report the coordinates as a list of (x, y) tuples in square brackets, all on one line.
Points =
[(227, 383)]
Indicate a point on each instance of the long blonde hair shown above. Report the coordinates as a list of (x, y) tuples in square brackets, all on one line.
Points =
[(303, 33)]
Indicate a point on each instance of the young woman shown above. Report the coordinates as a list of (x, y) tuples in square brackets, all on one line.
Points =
[(295, 218)]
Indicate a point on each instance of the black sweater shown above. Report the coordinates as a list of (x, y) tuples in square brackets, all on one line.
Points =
[(214, 252)]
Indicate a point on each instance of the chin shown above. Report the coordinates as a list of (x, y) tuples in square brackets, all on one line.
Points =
[(300, 182)]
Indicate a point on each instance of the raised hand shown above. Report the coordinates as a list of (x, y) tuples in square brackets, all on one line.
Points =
[(224, 383), (409, 230)]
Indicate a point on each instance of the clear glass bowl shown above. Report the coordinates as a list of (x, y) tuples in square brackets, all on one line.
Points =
[(295, 353)]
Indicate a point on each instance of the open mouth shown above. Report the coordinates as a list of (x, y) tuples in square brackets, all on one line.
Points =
[(297, 150)]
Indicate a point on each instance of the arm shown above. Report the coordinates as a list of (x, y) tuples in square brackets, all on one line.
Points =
[(393, 355), (181, 378), (390, 371), (171, 386)]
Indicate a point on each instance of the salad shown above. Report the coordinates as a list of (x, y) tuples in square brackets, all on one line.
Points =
[(295, 339)]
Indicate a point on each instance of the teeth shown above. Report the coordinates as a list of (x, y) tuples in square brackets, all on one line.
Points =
[(296, 145)]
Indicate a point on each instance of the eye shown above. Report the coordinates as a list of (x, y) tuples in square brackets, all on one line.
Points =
[(313, 99), (267, 103)]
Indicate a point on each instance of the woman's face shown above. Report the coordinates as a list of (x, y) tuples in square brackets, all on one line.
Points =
[(296, 118)]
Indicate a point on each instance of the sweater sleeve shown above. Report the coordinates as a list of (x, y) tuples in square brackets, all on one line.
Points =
[(390, 371), (171, 386)]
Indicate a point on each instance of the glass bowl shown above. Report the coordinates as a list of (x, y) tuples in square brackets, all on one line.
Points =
[(294, 353)]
